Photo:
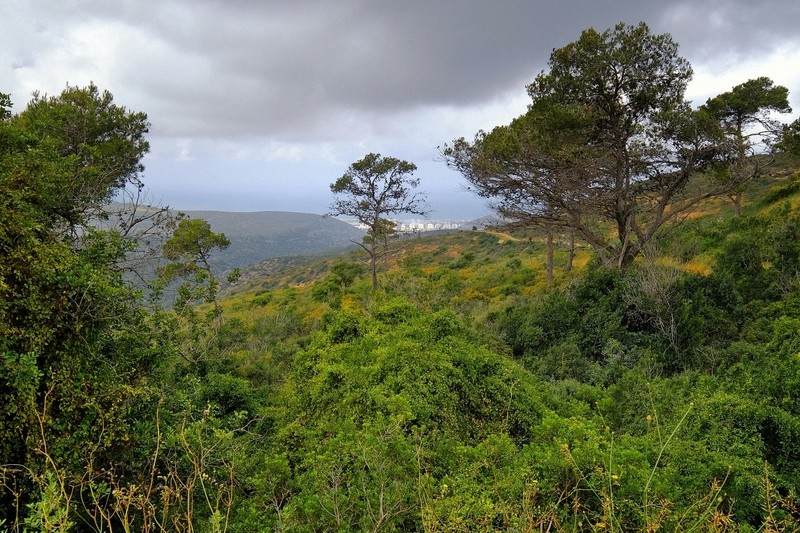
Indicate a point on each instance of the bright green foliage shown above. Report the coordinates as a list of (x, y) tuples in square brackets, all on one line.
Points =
[(393, 419), (51, 512), (371, 395)]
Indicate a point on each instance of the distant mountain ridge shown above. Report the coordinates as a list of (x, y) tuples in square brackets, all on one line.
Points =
[(260, 235)]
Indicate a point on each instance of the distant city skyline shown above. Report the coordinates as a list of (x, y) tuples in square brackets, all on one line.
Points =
[(417, 224)]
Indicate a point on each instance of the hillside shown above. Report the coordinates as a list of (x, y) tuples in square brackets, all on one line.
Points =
[(659, 397), (253, 236), (259, 235), (467, 393)]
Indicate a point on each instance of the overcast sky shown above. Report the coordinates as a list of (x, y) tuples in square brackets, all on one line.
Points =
[(259, 105)]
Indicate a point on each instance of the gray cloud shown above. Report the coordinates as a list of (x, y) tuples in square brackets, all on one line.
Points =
[(717, 27)]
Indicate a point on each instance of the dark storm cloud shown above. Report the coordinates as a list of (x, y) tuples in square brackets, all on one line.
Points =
[(712, 28), (293, 68)]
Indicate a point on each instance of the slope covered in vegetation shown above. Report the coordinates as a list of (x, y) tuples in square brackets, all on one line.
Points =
[(468, 394)]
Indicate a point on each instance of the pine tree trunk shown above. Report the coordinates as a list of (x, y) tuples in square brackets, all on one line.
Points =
[(550, 255), (571, 253), (737, 204)]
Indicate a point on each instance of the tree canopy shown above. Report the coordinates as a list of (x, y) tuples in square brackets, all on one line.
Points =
[(608, 141), (790, 138), (750, 104), (371, 189), (73, 348), (88, 147), (745, 114), (188, 251)]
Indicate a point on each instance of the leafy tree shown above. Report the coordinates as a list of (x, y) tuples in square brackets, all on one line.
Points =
[(745, 115), (5, 106), (72, 155), (96, 145), (607, 140), (371, 189), (188, 252), (790, 141), (75, 354)]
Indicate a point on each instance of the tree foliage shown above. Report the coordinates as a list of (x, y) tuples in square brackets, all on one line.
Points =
[(749, 105), (91, 146), (189, 248), (745, 114), (74, 352), (608, 140), (790, 138), (188, 270), (371, 189)]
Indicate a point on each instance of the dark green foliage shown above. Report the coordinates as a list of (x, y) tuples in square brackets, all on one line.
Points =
[(229, 394), (569, 334), (188, 252), (759, 262), (75, 356), (749, 104), (746, 116), (790, 141)]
